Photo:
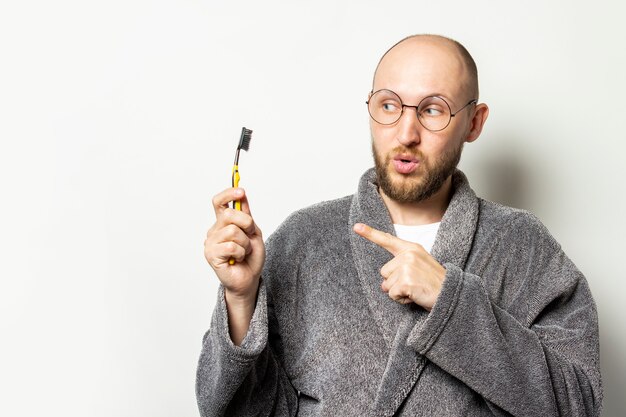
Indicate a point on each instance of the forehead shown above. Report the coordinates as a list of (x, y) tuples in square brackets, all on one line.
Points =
[(417, 68)]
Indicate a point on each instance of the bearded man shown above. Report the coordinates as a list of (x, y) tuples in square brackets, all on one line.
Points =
[(412, 297)]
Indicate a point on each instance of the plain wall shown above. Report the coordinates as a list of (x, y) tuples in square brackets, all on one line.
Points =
[(119, 121)]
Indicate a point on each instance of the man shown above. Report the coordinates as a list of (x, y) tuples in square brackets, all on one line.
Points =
[(359, 313)]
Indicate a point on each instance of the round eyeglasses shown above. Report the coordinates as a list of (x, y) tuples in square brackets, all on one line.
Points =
[(434, 113)]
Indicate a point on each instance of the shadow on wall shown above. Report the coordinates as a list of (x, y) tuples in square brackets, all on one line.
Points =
[(504, 178)]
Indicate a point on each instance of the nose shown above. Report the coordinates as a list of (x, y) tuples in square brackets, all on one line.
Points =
[(409, 128)]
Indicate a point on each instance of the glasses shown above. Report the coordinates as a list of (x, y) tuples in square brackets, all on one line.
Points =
[(434, 113)]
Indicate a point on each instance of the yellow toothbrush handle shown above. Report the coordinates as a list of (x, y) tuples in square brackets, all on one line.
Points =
[(236, 179), (237, 203)]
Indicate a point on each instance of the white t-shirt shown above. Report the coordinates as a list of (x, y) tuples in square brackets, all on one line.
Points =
[(423, 234)]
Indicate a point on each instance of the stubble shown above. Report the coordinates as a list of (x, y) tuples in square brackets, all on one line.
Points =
[(424, 182)]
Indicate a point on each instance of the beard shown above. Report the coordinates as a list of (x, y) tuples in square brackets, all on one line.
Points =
[(422, 183)]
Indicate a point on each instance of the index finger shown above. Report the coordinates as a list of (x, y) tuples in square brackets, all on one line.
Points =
[(221, 200), (389, 242)]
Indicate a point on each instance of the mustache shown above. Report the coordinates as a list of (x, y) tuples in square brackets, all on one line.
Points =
[(398, 149), (406, 151)]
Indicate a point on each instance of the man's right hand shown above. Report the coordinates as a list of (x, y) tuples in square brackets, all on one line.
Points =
[(236, 236)]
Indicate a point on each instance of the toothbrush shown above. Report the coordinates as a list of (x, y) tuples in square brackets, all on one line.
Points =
[(244, 143)]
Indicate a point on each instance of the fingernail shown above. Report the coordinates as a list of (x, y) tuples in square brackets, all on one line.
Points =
[(358, 227), (239, 192)]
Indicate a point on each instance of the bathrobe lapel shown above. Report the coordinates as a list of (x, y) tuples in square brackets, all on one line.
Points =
[(395, 321)]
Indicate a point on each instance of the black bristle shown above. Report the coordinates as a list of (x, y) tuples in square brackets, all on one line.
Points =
[(244, 141)]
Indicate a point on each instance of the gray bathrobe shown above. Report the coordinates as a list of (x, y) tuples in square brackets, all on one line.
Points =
[(513, 332)]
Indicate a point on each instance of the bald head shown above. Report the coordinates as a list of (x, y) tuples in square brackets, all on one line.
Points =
[(439, 56)]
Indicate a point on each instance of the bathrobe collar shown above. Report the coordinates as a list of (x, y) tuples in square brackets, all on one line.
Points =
[(395, 321)]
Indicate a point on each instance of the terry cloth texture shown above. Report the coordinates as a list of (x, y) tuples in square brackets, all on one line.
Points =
[(514, 331)]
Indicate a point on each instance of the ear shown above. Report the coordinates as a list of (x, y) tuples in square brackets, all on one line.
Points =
[(478, 121)]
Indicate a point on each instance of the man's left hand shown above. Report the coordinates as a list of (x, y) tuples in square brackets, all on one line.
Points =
[(412, 275)]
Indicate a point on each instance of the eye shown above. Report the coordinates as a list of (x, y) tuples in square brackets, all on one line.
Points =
[(390, 106), (432, 111)]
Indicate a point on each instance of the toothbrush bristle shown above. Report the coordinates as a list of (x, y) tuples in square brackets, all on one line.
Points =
[(244, 141)]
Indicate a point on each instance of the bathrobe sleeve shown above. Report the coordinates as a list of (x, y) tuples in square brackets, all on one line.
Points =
[(525, 334), (244, 380)]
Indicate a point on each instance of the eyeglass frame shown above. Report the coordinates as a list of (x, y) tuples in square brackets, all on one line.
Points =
[(417, 113)]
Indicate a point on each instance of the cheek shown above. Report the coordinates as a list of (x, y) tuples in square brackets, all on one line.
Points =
[(383, 136), (438, 144), (435, 148)]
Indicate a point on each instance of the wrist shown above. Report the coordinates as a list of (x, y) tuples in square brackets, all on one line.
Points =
[(241, 301), (240, 310)]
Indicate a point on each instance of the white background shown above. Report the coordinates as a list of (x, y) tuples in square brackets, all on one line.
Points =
[(119, 121)]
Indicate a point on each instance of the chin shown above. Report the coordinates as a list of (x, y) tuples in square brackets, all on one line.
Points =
[(405, 183)]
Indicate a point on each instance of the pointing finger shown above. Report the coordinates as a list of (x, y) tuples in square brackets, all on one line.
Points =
[(389, 242)]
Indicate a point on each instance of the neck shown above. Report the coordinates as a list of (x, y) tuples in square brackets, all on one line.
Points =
[(427, 211)]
